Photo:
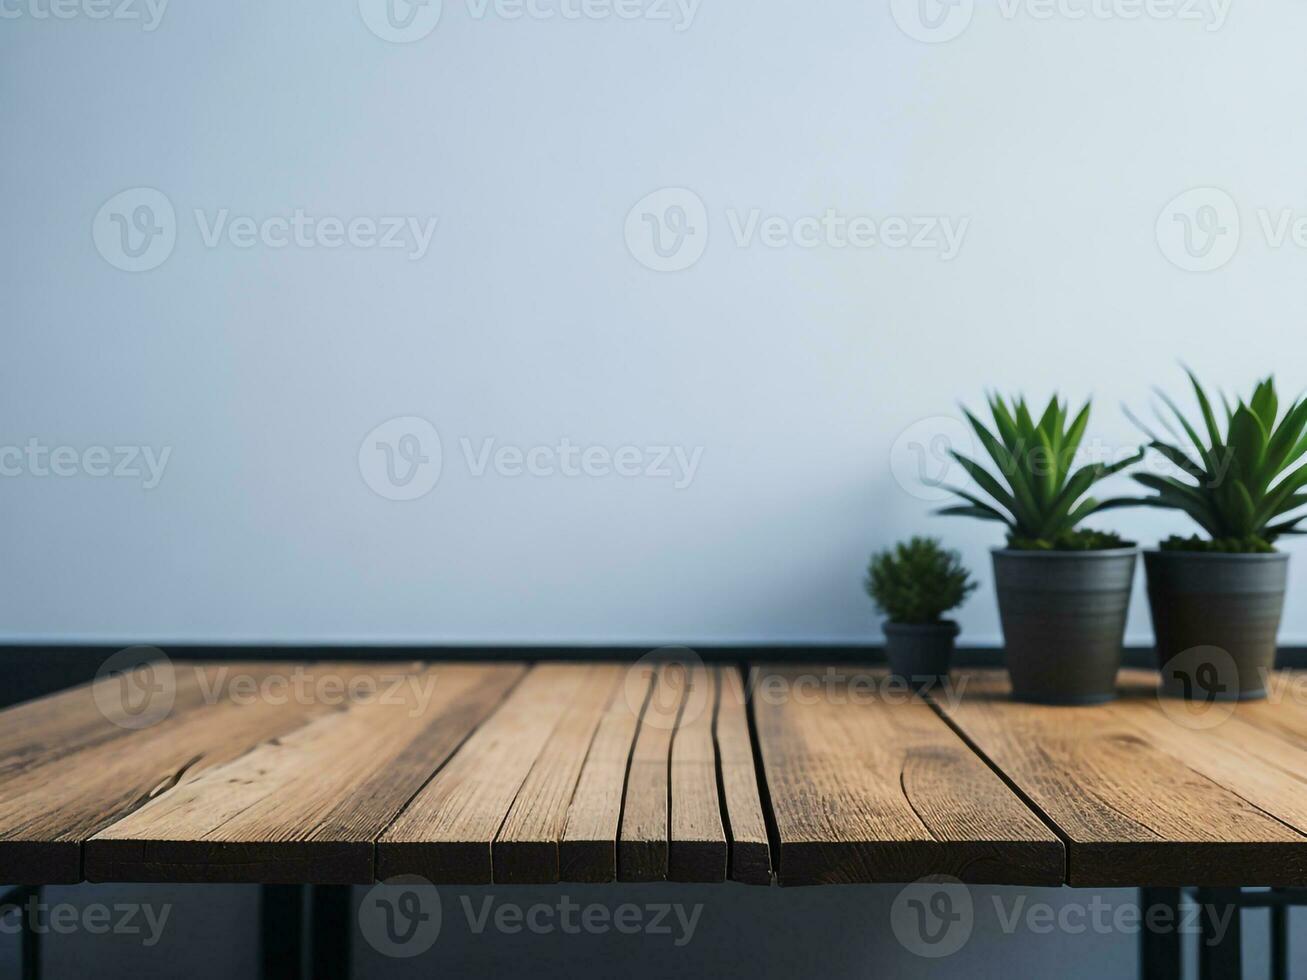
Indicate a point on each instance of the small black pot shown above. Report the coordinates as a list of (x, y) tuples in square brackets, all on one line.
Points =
[(1206, 600), (1063, 616), (919, 653)]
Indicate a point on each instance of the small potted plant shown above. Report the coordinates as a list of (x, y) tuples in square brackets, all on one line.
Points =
[(913, 585), (1063, 590), (1224, 591)]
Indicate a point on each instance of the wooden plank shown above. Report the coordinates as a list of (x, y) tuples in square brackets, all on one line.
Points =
[(527, 847), (37, 732), (588, 849), (868, 784), (445, 833), (642, 847), (1143, 794), (746, 826), (697, 840), (49, 810), (1282, 687), (308, 807), (1247, 750)]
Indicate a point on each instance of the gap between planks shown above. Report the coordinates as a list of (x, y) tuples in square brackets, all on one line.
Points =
[(248, 804), (1185, 804), (1011, 784), (308, 805), (864, 789), (590, 773)]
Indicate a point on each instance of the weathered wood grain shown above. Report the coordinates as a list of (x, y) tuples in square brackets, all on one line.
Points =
[(593, 771), (1143, 797), (40, 731), (697, 848), (308, 807), (588, 850), (527, 846), (48, 810), (747, 829), (643, 845), (867, 784), (445, 834), (1284, 711)]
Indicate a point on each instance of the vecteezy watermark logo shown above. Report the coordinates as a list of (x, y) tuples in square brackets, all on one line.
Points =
[(572, 460), (136, 229), (672, 919), (401, 917), (36, 459), (832, 229), (318, 685), (680, 13), (302, 230), (401, 459), (839, 686), (667, 231), (65, 918), (1210, 13), (136, 687), (401, 21), (1198, 231), (661, 684), (936, 21), (1199, 687), (148, 12), (933, 917), (1104, 918), (932, 21), (921, 458)]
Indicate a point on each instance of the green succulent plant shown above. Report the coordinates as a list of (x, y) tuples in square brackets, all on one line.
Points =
[(1038, 492), (917, 581), (1244, 481)]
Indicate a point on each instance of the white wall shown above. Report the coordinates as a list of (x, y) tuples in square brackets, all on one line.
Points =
[(529, 320)]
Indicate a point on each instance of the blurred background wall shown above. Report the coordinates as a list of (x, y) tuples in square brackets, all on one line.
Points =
[(746, 256)]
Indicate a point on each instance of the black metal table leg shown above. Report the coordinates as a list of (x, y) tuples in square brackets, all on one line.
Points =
[(1220, 945), (286, 952), (1279, 940), (31, 937), (1160, 947), (281, 932), (24, 900), (332, 927), (31, 942)]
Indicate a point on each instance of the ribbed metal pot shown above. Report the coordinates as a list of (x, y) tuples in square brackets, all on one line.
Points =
[(920, 653), (1063, 615), (1230, 602)]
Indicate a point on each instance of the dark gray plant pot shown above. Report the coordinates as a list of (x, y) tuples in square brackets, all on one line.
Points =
[(1230, 602), (920, 653), (1063, 616)]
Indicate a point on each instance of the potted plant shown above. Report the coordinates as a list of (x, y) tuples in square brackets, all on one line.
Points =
[(1225, 591), (913, 585), (1063, 590)]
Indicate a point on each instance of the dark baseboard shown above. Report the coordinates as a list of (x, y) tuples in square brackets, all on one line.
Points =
[(32, 670)]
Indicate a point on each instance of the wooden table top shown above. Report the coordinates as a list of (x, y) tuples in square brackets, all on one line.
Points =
[(593, 772)]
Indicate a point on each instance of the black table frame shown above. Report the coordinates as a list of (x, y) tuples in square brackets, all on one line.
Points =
[(307, 931), (1220, 956)]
